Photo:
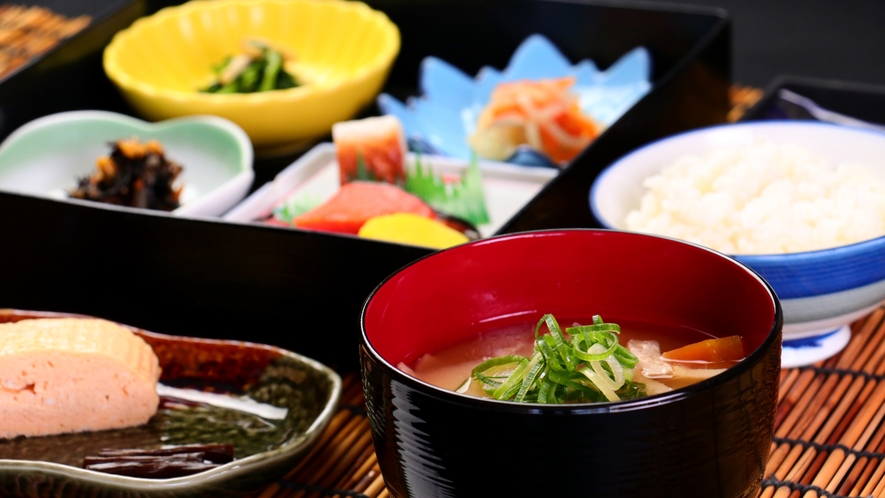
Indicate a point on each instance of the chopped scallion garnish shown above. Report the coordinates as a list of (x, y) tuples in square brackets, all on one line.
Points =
[(584, 364)]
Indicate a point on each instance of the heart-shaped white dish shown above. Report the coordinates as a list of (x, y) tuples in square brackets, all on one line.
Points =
[(47, 156)]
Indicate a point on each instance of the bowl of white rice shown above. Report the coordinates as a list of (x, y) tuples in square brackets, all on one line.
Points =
[(800, 202)]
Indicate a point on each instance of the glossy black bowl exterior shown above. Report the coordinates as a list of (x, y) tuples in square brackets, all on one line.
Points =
[(711, 439), (701, 443)]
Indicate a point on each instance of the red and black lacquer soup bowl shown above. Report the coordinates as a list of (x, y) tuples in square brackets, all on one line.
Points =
[(709, 439)]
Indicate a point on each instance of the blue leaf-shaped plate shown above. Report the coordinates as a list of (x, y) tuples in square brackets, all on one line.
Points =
[(441, 119)]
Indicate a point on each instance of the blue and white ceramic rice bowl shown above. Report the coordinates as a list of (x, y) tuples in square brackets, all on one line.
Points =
[(821, 291)]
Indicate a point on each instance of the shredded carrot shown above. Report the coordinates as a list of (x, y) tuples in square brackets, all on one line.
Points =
[(547, 111)]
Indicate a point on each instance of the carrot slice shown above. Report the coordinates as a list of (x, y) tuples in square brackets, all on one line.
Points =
[(724, 350)]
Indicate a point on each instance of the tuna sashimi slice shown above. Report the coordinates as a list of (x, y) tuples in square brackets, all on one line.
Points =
[(355, 202)]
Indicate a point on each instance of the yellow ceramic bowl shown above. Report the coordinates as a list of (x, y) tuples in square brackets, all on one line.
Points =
[(343, 51)]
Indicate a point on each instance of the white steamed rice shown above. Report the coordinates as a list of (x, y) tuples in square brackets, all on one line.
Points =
[(764, 198)]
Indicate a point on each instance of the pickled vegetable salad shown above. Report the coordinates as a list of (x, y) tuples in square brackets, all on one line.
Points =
[(259, 68)]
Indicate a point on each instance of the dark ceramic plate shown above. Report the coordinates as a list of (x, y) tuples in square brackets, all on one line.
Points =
[(264, 448)]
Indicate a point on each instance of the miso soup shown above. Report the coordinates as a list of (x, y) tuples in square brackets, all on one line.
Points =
[(577, 360)]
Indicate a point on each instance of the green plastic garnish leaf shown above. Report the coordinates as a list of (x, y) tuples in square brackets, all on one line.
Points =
[(295, 206), (362, 171), (463, 199)]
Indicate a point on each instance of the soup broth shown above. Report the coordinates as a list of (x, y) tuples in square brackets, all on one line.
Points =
[(450, 367)]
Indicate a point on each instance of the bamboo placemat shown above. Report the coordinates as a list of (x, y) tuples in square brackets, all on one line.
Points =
[(829, 437), (342, 463), (29, 31)]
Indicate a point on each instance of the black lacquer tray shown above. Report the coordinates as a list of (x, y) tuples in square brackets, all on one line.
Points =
[(861, 101), (300, 290)]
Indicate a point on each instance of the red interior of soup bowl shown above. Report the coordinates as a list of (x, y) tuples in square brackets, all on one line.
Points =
[(449, 296)]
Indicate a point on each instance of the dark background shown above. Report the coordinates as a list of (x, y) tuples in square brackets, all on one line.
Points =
[(833, 39)]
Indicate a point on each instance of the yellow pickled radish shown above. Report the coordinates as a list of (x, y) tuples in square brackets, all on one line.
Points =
[(407, 228)]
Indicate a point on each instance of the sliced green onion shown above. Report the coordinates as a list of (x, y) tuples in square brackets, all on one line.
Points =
[(600, 327), (584, 364), (534, 371), (492, 374), (626, 357), (597, 381), (510, 386), (594, 351), (560, 344)]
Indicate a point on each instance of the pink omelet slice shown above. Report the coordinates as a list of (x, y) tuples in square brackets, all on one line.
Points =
[(61, 375)]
